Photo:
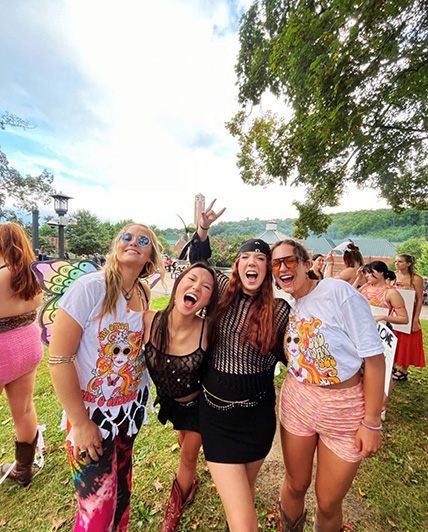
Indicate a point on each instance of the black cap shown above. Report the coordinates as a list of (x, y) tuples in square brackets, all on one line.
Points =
[(254, 244)]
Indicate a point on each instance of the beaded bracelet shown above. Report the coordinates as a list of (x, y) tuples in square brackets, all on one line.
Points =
[(204, 228), (369, 427)]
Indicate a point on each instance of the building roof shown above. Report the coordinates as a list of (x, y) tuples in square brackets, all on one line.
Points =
[(271, 234), (369, 247)]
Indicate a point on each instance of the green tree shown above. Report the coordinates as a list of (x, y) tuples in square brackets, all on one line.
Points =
[(422, 264), (354, 76), (166, 247), (27, 191), (86, 236), (413, 246)]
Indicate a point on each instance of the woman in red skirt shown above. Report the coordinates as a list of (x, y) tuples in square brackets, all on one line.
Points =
[(410, 351)]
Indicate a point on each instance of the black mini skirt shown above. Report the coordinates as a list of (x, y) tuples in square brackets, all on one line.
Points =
[(182, 415), (233, 433)]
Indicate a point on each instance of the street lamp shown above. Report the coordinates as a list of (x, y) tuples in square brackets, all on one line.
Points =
[(61, 208)]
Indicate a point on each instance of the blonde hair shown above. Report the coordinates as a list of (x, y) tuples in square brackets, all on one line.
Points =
[(113, 277)]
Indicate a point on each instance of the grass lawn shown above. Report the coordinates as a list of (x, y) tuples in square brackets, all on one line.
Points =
[(394, 484)]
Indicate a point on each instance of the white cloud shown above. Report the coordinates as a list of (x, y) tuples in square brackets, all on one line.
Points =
[(130, 101)]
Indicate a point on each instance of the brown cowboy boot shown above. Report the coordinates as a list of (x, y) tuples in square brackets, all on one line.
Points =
[(285, 525), (22, 471), (318, 529), (175, 506)]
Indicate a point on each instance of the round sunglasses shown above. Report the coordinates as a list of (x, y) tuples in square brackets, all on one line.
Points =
[(290, 262), (143, 241)]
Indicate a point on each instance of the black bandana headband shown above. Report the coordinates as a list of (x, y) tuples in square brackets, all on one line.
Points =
[(254, 244)]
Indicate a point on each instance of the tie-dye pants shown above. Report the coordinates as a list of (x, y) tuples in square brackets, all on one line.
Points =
[(103, 488)]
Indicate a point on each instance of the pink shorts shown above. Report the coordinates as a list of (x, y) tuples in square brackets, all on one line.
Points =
[(21, 351), (335, 415)]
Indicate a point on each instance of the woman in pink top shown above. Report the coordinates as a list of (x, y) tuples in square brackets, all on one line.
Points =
[(380, 294), (20, 347)]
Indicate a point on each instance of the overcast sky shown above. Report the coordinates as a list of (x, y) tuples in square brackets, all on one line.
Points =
[(130, 101)]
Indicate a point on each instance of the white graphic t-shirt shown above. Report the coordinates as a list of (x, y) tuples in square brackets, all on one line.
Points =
[(113, 379), (330, 332)]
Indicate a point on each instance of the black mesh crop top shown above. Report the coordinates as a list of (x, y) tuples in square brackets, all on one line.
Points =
[(175, 376)]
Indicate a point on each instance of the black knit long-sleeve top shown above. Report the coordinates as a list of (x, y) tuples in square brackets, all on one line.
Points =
[(235, 364)]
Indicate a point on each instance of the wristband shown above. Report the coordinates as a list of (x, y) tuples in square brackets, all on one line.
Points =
[(204, 228), (369, 427)]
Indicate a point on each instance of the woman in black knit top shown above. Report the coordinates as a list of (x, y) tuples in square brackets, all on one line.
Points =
[(237, 406)]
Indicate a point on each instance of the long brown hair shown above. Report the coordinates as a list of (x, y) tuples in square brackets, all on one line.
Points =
[(260, 319), (113, 277), (161, 337), (410, 259), (18, 255)]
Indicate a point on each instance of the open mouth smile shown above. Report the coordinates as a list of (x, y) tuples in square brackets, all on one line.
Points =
[(251, 276), (190, 300)]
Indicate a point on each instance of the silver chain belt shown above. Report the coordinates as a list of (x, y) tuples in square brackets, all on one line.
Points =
[(246, 403)]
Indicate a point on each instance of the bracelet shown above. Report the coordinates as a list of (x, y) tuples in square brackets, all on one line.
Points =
[(329, 262), (204, 228), (369, 427), (61, 360)]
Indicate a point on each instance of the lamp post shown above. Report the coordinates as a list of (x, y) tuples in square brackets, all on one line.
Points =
[(61, 208)]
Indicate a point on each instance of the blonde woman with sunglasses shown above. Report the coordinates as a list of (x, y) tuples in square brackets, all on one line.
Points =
[(325, 407), (100, 380)]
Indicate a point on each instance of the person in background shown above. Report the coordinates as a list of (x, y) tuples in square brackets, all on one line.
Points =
[(237, 404), (317, 268), (175, 349), (380, 294), (325, 405), (352, 259), (410, 350), (390, 277), (101, 382), (20, 346)]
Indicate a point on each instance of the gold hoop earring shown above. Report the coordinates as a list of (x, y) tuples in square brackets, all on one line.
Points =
[(149, 268)]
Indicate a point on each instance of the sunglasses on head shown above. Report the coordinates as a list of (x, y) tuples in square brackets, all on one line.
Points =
[(143, 241), (290, 262)]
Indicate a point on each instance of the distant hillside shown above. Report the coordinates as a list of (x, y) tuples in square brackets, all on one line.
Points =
[(382, 223)]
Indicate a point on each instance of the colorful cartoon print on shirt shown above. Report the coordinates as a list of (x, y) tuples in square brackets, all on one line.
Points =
[(307, 352), (118, 371)]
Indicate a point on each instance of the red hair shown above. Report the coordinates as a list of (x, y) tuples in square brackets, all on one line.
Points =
[(259, 332), (18, 255)]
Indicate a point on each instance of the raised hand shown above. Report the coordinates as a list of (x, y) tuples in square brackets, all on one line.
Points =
[(208, 216)]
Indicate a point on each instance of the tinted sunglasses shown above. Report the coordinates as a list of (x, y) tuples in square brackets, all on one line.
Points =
[(290, 262), (143, 241)]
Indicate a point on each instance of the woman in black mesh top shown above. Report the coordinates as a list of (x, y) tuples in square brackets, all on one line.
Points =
[(175, 344), (237, 406)]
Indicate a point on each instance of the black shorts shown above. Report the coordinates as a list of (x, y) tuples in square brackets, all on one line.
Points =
[(182, 415)]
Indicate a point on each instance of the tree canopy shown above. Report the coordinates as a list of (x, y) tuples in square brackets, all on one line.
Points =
[(354, 77), (26, 191)]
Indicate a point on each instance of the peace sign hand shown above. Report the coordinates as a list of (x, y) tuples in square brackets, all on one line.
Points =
[(208, 217)]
